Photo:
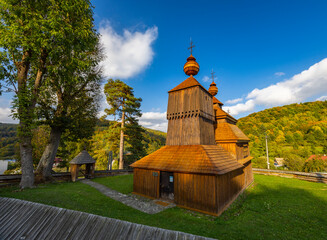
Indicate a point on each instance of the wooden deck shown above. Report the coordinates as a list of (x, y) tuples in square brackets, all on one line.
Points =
[(21, 219)]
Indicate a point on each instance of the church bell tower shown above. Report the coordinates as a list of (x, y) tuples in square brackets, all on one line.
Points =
[(190, 111)]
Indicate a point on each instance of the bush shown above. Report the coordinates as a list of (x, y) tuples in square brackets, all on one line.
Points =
[(293, 161), (315, 165), (261, 162)]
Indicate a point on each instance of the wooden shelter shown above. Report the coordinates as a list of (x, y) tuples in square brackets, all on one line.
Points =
[(193, 169), (81, 159)]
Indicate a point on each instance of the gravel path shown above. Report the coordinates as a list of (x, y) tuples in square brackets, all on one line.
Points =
[(139, 203)]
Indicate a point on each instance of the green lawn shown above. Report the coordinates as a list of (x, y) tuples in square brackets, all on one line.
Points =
[(273, 208)]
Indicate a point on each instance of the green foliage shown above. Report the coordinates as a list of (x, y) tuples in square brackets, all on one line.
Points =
[(120, 98), (293, 161), (8, 140), (40, 140), (316, 164), (294, 132), (104, 141)]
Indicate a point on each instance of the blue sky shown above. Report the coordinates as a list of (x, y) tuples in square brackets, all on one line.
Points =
[(264, 53)]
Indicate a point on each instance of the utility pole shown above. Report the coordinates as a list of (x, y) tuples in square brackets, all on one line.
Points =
[(267, 152)]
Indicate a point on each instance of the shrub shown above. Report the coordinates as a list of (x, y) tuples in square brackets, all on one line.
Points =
[(315, 164)]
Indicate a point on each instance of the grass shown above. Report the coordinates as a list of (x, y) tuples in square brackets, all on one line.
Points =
[(273, 208), (123, 183)]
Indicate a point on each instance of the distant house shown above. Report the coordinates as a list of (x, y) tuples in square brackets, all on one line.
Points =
[(279, 162), (56, 162), (322, 157)]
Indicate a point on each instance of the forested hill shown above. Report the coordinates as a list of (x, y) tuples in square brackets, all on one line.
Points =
[(8, 140), (298, 129)]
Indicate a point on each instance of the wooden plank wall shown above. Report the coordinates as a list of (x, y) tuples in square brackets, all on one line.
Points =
[(145, 183), (196, 191), (242, 150), (186, 114), (183, 131), (228, 187), (248, 173), (207, 132), (229, 147)]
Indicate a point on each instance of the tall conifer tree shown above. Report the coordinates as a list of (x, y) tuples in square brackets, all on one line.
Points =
[(123, 105)]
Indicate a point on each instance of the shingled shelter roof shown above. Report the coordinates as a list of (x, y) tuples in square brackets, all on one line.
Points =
[(226, 131), (207, 159), (189, 82), (82, 158)]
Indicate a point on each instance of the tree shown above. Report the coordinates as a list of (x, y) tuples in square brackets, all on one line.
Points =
[(72, 101), (104, 141), (35, 35), (135, 142), (123, 105), (315, 164)]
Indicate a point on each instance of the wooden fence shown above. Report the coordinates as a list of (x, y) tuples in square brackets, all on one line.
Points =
[(6, 180), (13, 179), (311, 177)]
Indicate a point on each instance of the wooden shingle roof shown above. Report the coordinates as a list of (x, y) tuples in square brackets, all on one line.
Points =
[(206, 159), (227, 131), (215, 100), (221, 114), (82, 158), (189, 82)]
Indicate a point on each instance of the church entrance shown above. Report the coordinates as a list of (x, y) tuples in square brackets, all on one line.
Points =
[(167, 185)]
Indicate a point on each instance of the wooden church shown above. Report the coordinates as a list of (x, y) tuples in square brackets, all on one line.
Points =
[(205, 164)]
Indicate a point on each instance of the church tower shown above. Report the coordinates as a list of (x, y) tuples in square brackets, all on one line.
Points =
[(190, 113)]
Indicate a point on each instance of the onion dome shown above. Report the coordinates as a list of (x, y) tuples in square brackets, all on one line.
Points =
[(191, 67), (213, 90)]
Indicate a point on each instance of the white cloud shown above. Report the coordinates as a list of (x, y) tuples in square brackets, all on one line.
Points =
[(154, 120), (233, 101), (322, 98), (240, 107), (205, 79), (279, 74), (5, 115), (127, 54), (300, 87)]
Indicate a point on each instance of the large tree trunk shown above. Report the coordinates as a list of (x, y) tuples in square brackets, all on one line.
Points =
[(27, 180), (46, 162), (25, 112), (121, 146)]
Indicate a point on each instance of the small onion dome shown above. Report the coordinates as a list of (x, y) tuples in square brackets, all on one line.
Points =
[(213, 90), (191, 67)]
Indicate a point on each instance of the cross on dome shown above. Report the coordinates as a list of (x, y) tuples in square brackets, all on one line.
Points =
[(191, 46)]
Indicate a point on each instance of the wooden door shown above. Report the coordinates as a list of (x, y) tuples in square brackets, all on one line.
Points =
[(167, 185)]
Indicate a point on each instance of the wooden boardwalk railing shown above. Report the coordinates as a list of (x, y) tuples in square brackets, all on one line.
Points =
[(21, 219), (311, 177)]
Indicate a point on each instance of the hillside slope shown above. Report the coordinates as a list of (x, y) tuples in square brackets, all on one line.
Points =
[(8, 140), (298, 129)]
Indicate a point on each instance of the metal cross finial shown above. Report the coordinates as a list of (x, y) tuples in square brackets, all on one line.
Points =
[(213, 75), (191, 46)]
